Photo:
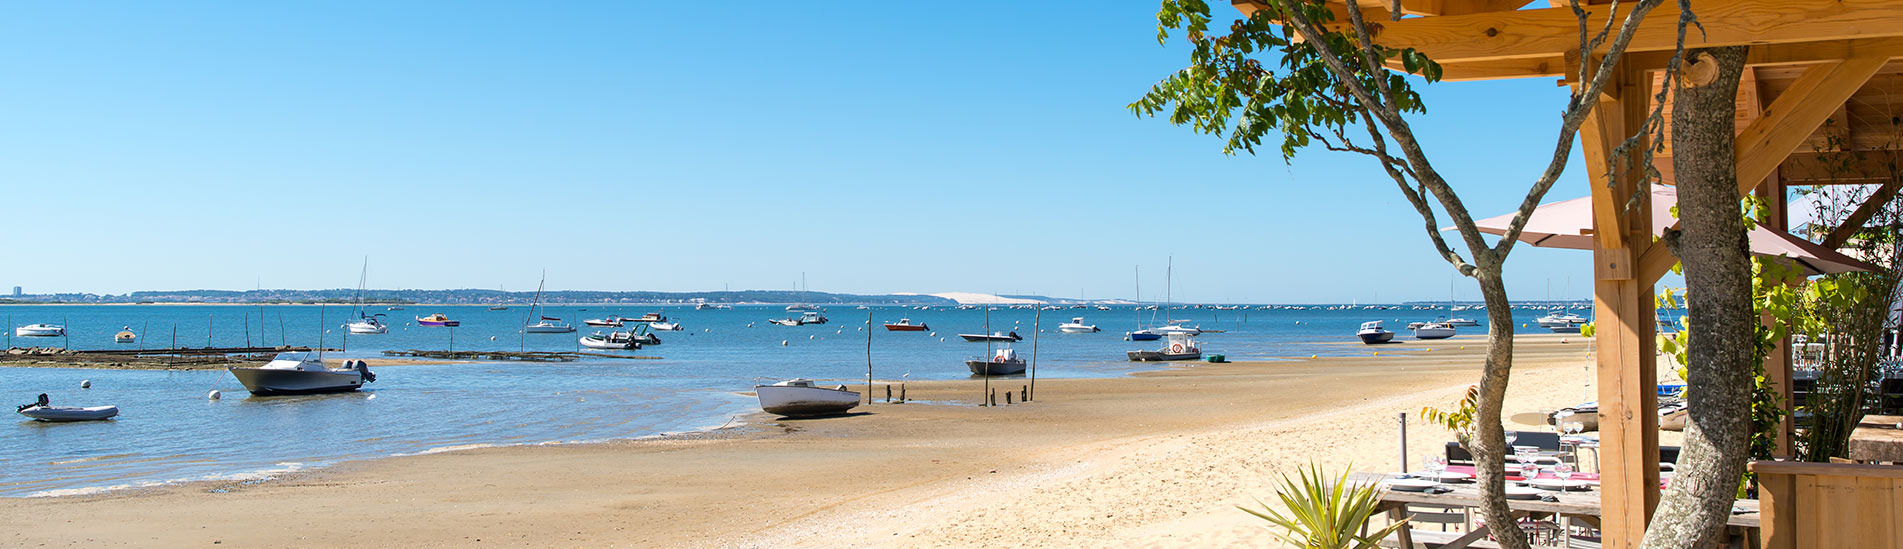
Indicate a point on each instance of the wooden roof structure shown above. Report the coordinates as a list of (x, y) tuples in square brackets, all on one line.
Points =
[(1823, 76)]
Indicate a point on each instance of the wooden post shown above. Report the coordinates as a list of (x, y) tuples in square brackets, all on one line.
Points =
[(888, 393), (208, 344), (1007, 397), (1624, 319), (1037, 323), (1403, 441), (994, 394), (888, 390), (987, 362)]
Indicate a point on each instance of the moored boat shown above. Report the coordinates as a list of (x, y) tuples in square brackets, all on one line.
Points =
[(1179, 346), (1143, 335), (1003, 362), (611, 340), (125, 335), (39, 330), (610, 322), (666, 326), (1461, 322), (906, 325), (44, 411), (1077, 326), (549, 325), (1566, 323), (649, 317), (367, 324), (1372, 333), (799, 398), (302, 374), (993, 336), (437, 319)]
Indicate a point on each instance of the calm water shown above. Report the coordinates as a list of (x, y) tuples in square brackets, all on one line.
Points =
[(168, 431)]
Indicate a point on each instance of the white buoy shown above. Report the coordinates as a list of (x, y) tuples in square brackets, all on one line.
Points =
[(812, 337), (214, 395), (782, 343), (941, 339), (85, 384), (492, 338), (934, 334)]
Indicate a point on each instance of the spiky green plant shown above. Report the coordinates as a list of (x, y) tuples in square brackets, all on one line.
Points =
[(1325, 515)]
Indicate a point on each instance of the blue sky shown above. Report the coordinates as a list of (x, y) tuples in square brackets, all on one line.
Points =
[(876, 147)]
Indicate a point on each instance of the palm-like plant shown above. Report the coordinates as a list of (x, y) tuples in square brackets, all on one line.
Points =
[(1325, 515)]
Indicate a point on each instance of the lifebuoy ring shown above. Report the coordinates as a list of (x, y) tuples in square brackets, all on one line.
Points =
[(1177, 348)]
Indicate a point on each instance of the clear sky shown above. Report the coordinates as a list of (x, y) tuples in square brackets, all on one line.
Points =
[(876, 147)]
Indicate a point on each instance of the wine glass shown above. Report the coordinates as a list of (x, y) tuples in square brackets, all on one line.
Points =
[(1435, 464), (1563, 470), (1512, 436), (1524, 454)]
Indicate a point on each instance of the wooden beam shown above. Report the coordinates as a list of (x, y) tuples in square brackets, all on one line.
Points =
[(1845, 167), (1459, 7), (1796, 53), (1626, 327), (1655, 262), (1797, 113), (1863, 213), (1549, 32)]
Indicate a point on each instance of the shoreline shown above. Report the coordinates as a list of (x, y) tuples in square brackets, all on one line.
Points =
[(742, 484)]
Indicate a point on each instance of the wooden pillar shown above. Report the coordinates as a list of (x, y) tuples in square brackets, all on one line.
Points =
[(1623, 314), (1777, 361)]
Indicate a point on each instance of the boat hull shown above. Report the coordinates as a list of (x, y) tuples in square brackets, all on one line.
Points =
[(1373, 338), (906, 328), (273, 382), (1002, 339), (1433, 333), (548, 329), (794, 401), (1163, 356), (1145, 336), (366, 329), (594, 343), (1078, 329), (26, 331), (602, 323), (440, 323), (70, 413), (989, 368)]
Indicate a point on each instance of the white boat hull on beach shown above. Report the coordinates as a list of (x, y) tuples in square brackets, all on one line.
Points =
[(1162, 356), (995, 368), (798, 398), (1433, 331)]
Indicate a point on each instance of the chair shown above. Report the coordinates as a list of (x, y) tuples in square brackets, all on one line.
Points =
[(1544, 440)]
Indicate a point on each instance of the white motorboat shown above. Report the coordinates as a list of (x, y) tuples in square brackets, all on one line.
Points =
[(650, 317), (367, 324), (1567, 323), (1461, 322), (45, 411), (1177, 329), (666, 326), (1176, 346), (799, 397), (39, 330), (302, 374), (1372, 333), (549, 325), (785, 321), (1003, 362), (610, 322), (1433, 330), (125, 335), (1077, 326), (612, 340)]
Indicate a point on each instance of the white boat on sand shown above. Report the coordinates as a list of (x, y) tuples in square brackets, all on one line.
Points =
[(1003, 362), (45, 411), (1176, 346), (1433, 330), (799, 397), (1372, 333)]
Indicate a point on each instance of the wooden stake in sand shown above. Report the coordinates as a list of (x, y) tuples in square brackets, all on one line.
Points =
[(1037, 323), (888, 394), (987, 372)]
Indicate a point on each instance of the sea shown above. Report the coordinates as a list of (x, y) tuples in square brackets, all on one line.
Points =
[(169, 431)]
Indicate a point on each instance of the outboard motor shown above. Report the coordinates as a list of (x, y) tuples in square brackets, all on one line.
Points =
[(1014, 336), (41, 402), (364, 367)]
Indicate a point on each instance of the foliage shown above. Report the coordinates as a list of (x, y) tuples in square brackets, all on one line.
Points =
[(1225, 91), (1325, 515), (1460, 420)]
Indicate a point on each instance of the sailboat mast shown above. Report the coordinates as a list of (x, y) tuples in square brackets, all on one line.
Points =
[(1138, 311), (1169, 285)]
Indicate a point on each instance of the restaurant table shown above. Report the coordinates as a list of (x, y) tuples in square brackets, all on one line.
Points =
[(1578, 505), (1877, 439)]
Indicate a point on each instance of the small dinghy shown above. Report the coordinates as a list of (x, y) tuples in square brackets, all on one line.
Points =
[(612, 340), (45, 411), (800, 398), (665, 326), (125, 335)]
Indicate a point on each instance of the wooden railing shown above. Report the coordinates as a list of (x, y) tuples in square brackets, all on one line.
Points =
[(1825, 505)]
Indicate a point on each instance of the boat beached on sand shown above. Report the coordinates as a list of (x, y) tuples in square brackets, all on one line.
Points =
[(1372, 333), (302, 374), (800, 398), (44, 411), (1433, 330), (1003, 362), (1177, 346)]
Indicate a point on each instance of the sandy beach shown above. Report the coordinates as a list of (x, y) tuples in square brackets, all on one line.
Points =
[(1154, 459)]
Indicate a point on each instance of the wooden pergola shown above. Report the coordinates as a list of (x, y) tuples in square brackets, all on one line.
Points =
[(1810, 61)]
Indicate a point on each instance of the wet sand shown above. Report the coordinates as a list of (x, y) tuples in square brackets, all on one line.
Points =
[(1155, 459)]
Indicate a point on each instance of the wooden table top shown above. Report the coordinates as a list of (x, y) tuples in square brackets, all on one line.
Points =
[(1579, 503), (1877, 439)]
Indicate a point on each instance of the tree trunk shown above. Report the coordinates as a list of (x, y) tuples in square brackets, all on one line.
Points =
[(1489, 442), (1717, 261)]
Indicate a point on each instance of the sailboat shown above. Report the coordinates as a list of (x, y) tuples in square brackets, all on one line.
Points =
[(544, 324), (1174, 326), (365, 324), (803, 305), (1140, 333)]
